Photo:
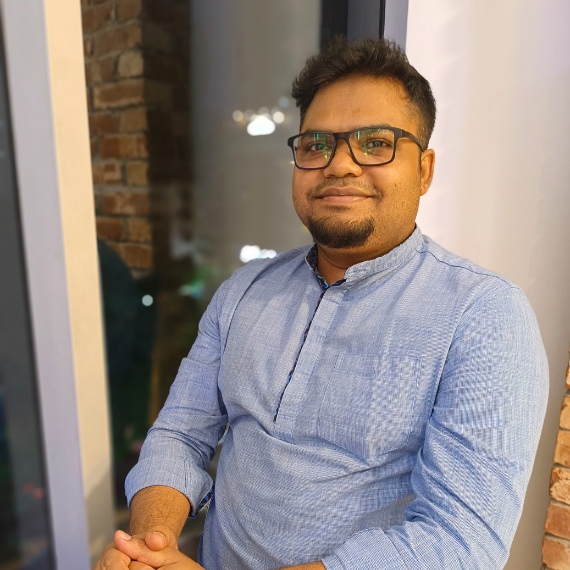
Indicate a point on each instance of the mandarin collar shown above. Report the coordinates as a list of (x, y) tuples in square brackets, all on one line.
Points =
[(397, 256)]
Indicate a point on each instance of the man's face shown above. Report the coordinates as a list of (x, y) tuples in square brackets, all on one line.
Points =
[(367, 210)]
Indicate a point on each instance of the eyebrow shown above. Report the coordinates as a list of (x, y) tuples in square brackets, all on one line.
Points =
[(380, 125)]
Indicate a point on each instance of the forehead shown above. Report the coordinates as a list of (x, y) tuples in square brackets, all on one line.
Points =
[(360, 101)]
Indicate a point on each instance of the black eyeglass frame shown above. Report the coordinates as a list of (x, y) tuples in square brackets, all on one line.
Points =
[(398, 134)]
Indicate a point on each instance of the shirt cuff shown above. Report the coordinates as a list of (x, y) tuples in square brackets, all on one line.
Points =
[(175, 472), (367, 550)]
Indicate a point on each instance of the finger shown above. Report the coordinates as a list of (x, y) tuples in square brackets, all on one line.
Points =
[(135, 565), (112, 559), (136, 549), (156, 540)]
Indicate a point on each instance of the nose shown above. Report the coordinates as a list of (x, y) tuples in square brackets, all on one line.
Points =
[(342, 163)]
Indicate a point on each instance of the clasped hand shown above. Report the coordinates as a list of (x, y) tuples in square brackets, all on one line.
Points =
[(148, 551)]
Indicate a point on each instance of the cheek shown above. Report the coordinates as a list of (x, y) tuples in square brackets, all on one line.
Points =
[(301, 187)]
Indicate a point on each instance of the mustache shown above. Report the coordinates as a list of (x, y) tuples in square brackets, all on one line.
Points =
[(341, 182)]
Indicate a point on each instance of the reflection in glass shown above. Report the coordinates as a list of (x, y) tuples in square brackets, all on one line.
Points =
[(24, 526), (190, 111)]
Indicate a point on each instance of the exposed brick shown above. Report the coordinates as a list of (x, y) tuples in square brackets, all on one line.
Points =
[(128, 10), (555, 554), (139, 231), (85, 3), (123, 146), (100, 71), (565, 413), (87, 47), (562, 449), (110, 229), (107, 173), (131, 64), (137, 173), (117, 39), (125, 203), (94, 147), (96, 17), (558, 521), (568, 376), (103, 124), (134, 120), (117, 95), (91, 71), (136, 255), (107, 69), (560, 485)]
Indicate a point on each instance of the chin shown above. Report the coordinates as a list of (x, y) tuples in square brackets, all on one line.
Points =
[(341, 234)]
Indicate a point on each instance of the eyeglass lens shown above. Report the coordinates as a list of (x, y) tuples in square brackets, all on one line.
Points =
[(370, 146)]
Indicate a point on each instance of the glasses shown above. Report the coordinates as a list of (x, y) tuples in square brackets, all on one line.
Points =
[(369, 146)]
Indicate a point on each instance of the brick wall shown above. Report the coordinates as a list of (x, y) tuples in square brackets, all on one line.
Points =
[(556, 543), (137, 65), (137, 69)]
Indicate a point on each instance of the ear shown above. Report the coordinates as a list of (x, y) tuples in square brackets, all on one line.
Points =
[(427, 164)]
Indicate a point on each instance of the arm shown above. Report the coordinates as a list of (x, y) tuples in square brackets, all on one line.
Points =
[(313, 566), (183, 440), (158, 515), (470, 477), (159, 509), (170, 478)]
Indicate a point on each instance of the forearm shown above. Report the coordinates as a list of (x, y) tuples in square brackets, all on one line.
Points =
[(312, 566), (157, 508)]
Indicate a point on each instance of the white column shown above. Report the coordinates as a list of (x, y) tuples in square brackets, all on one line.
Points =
[(500, 72)]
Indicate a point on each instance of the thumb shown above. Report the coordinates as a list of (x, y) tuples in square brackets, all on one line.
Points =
[(136, 549), (156, 540)]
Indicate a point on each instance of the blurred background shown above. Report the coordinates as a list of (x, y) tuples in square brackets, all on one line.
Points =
[(143, 160)]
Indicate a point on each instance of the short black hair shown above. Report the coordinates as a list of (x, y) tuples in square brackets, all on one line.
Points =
[(366, 56)]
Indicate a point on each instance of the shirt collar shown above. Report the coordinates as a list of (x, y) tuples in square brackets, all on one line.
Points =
[(397, 256)]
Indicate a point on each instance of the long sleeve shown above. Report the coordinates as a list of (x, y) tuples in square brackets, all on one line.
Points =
[(471, 474), (183, 440)]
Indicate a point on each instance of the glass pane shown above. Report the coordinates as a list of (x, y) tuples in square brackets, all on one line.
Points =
[(24, 523), (190, 111)]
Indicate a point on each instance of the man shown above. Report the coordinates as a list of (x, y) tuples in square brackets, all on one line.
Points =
[(384, 396)]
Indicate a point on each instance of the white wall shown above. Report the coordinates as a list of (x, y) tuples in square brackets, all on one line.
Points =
[(500, 72)]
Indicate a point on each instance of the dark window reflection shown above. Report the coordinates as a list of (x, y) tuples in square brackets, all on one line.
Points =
[(24, 527), (189, 110)]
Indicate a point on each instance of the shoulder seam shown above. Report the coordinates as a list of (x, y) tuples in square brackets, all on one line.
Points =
[(487, 274), (485, 298)]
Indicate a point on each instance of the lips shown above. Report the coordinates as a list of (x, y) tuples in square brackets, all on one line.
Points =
[(342, 196), (343, 191)]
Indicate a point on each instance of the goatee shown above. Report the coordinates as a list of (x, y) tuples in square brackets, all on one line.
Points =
[(336, 233)]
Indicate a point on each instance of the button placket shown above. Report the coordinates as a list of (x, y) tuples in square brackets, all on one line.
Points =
[(298, 385)]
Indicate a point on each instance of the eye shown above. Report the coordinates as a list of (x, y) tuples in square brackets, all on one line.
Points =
[(318, 147), (378, 143)]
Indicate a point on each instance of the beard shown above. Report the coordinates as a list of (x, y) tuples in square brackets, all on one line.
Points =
[(336, 233)]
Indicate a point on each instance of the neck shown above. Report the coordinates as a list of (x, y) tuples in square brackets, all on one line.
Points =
[(333, 263)]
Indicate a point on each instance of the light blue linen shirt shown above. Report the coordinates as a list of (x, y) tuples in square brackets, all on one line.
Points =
[(404, 437)]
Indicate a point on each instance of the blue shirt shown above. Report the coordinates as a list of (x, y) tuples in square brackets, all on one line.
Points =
[(409, 407)]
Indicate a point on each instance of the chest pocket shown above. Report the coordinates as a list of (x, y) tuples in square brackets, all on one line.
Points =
[(368, 405)]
